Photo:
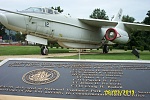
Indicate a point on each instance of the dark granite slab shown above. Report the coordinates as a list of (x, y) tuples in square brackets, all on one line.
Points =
[(106, 80)]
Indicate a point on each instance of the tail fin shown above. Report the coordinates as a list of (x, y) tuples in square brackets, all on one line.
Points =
[(118, 16)]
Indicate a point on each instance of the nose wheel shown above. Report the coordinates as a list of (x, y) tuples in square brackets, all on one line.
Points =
[(44, 50)]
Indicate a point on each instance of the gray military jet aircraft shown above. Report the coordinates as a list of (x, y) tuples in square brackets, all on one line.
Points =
[(43, 24)]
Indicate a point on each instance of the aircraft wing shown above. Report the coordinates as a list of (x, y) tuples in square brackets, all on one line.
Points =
[(100, 23)]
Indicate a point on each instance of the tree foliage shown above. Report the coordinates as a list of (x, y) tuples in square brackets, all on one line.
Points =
[(127, 18), (147, 19), (138, 38), (147, 34), (20, 37), (58, 9), (99, 14), (2, 30)]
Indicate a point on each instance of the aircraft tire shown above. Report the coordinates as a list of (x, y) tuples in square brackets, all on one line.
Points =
[(44, 50), (105, 49)]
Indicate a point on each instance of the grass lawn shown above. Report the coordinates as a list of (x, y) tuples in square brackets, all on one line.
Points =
[(19, 50), (26, 50), (145, 55), (115, 54), (94, 54)]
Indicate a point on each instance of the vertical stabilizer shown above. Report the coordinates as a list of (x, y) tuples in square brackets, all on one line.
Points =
[(118, 16)]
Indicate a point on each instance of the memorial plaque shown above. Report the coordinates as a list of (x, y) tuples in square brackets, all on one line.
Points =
[(74, 79)]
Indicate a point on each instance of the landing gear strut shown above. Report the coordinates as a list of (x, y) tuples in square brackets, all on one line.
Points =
[(105, 48), (44, 50)]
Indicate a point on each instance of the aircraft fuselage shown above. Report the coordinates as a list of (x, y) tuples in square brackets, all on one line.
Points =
[(67, 31)]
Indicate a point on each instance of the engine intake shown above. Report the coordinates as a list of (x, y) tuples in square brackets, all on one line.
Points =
[(111, 34), (117, 35)]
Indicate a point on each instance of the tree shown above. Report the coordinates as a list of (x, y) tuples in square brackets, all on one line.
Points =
[(147, 19), (58, 9), (2, 30), (127, 18), (99, 14), (147, 34), (139, 38), (18, 36)]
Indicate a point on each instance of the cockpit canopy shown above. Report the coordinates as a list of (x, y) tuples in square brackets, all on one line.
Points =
[(40, 10)]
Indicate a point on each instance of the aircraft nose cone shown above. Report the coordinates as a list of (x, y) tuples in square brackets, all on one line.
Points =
[(3, 19)]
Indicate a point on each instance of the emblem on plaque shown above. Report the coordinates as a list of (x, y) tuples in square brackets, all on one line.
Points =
[(40, 76)]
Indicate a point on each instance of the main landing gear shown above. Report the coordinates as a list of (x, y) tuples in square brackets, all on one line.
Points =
[(105, 48), (44, 50)]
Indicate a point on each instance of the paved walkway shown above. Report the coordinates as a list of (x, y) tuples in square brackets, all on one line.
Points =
[(38, 56)]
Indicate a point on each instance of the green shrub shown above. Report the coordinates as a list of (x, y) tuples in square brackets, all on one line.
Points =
[(110, 48), (125, 48), (51, 46), (149, 48), (57, 46), (142, 48), (133, 47)]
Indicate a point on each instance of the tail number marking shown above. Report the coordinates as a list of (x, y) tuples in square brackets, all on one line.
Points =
[(47, 24)]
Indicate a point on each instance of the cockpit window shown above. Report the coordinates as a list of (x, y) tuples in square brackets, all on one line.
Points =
[(56, 12), (40, 10), (33, 9), (50, 11)]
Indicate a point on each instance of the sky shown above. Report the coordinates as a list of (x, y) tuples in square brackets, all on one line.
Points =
[(83, 8)]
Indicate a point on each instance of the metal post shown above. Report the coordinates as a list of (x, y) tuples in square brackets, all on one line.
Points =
[(79, 54)]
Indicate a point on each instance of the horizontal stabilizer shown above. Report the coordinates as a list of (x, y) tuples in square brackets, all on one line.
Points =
[(136, 26), (102, 23)]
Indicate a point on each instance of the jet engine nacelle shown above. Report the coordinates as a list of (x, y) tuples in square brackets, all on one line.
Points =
[(117, 35)]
